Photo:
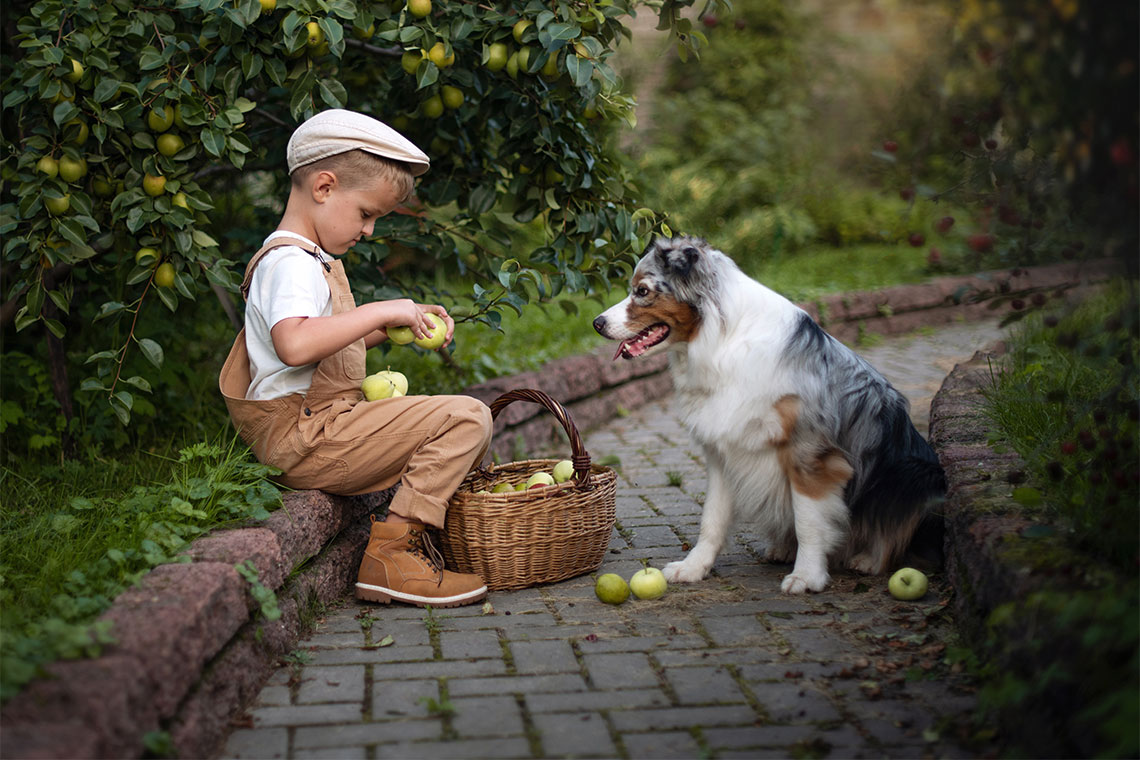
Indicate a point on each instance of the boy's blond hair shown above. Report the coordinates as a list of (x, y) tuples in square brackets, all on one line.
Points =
[(358, 168)]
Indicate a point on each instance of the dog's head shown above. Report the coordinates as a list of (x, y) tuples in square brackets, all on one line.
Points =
[(671, 287)]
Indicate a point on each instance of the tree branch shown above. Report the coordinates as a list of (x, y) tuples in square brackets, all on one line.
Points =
[(392, 52)]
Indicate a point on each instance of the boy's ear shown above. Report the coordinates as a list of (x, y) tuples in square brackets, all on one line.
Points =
[(323, 183)]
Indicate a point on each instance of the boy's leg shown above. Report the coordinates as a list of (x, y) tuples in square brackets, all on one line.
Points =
[(428, 444)]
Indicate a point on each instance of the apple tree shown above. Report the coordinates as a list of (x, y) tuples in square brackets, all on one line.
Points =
[(125, 125)]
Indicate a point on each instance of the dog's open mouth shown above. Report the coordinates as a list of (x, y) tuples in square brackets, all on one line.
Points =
[(643, 341)]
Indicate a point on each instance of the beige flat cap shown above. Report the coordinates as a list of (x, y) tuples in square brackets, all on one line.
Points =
[(337, 130)]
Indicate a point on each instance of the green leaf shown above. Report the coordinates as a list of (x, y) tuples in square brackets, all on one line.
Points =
[(203, 240), (213, 141), (333, 93), (106, 89), (152, 351)]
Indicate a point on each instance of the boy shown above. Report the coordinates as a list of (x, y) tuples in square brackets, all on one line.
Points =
[(292, 379)]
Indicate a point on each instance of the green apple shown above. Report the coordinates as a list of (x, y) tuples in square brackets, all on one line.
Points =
[(648, 583), (452, 97), (169, 144), (316, 34), (179, 199), (70, 169), (438, 335), (540, 479), (410, 60), (153, 185), (57, 206), (549, 69), (438, 55), (102, 187), (503, 487), (76, 72), (146, 257), (397, 379), (48, 166), (563, 471), (611, 588), (268, 6), (432, 108), (377, 387), (401, 336), (513, 65), (419, 8), (907, 584), (160, 119), (497, 55), (364, 34), (519, 28), (164, 275)]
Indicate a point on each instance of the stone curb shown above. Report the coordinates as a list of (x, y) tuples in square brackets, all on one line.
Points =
[(193, 649)]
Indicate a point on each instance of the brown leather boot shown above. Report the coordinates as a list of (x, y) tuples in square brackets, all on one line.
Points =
[(400, 563)]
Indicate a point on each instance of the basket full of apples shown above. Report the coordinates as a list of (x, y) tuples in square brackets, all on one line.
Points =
[(536, 521)]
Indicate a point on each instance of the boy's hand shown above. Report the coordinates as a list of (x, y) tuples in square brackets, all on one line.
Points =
[(407, 313)]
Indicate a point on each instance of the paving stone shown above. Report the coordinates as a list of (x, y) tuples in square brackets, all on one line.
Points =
[(543, 657), (626, 699), (662, 745), (437, 669), (683, 717), (305, 715), (456, 749), (363, 656), (478, 717), (585, 734), (331, 684), (504, 622), (620, 670), (331, 753), (359, 734), (516, 685), (841, 739), (257, 743), (402, 698), (704, 685), (456, 645)]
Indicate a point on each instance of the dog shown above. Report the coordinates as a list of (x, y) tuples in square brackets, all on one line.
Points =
[(800, 435)]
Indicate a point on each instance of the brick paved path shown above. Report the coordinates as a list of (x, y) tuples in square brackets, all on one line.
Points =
[(725, 668)]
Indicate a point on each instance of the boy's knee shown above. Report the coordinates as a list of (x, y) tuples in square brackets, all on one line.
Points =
[(473, 414)]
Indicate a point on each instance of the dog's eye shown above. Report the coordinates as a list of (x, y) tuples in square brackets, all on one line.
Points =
[(641, 291)]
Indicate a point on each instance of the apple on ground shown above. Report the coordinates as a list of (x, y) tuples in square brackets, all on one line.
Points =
[(648, 583), (907, 584), (540, 479), (563, 471), (611, 588)]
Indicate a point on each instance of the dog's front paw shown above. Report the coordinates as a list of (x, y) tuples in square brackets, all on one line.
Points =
[(801, 582), (684, 572)]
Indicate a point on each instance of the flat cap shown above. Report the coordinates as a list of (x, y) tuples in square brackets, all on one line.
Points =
[(337, 131)]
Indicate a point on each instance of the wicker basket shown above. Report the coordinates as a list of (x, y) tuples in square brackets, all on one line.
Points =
[(518, 539)]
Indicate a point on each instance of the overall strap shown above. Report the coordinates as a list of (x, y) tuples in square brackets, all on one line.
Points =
[(277, 242)]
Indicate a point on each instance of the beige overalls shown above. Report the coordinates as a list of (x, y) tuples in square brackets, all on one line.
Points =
[(333, 440)]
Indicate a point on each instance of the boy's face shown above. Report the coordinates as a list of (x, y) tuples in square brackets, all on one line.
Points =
[(344, 215)]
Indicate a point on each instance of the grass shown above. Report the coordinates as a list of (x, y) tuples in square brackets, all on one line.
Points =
[(818, 270), (73, 536)]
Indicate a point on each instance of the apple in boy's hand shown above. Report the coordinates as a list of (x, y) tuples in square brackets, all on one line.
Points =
[(438, 334), (648, 583), (401, 336), (376, 387), (907, 584)]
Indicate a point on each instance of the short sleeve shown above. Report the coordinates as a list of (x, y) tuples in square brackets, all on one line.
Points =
[(291, 285)]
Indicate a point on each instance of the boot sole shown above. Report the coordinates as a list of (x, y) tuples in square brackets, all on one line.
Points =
[(385, 595)]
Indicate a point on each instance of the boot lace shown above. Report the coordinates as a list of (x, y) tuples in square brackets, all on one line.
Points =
[(420, 544)]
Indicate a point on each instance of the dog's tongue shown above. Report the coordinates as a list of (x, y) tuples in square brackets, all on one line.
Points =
[(622, 350)]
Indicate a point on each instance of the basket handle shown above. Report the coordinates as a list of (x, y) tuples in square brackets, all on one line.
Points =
[(578, 455)]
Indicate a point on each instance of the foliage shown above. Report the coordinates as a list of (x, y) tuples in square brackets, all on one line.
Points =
[(71, 540), (1030, 124), (126, 127), (1067, 400)]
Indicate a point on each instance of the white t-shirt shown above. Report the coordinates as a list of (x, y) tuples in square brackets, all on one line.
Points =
[(289, 282)]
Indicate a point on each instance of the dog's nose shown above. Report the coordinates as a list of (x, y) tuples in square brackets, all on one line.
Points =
[(599, 324)]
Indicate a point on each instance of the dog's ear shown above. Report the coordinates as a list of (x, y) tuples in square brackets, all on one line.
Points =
[(680, 262)]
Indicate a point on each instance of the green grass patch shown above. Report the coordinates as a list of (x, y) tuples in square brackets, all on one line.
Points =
[(75, 535)]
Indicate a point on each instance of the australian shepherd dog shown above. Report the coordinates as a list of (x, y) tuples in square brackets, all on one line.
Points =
[(801, 437)]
